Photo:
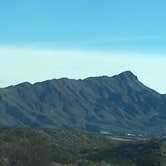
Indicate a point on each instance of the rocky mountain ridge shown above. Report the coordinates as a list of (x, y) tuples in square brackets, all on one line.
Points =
[(119, 104)]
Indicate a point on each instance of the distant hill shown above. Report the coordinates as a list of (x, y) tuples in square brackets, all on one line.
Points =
[(118, 104)]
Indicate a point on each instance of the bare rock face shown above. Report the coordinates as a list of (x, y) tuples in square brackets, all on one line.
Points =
[(118, 104)]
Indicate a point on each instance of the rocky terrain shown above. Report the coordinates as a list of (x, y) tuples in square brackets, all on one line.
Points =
[(118, 104), (20, 146)]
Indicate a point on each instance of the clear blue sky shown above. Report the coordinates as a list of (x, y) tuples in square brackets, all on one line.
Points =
[(119, 26), (135, 24)]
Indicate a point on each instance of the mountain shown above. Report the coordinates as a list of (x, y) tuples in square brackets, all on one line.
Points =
[(118, 104)]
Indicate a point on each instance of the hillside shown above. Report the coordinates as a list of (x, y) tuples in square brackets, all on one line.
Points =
[(32, 147), (118, 104)]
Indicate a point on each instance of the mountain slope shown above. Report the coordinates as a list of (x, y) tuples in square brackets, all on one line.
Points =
[(115, 104)]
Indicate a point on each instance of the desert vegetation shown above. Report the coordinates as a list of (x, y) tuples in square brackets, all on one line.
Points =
[(20, 146)]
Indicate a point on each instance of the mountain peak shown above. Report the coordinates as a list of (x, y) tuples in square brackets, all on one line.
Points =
[(128, 75), (115, 104)]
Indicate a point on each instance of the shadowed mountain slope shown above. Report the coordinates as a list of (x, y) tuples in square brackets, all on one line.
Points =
[(114, 104)]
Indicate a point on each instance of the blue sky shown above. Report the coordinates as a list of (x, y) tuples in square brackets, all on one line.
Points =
[(117, 30), (103, 24)]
